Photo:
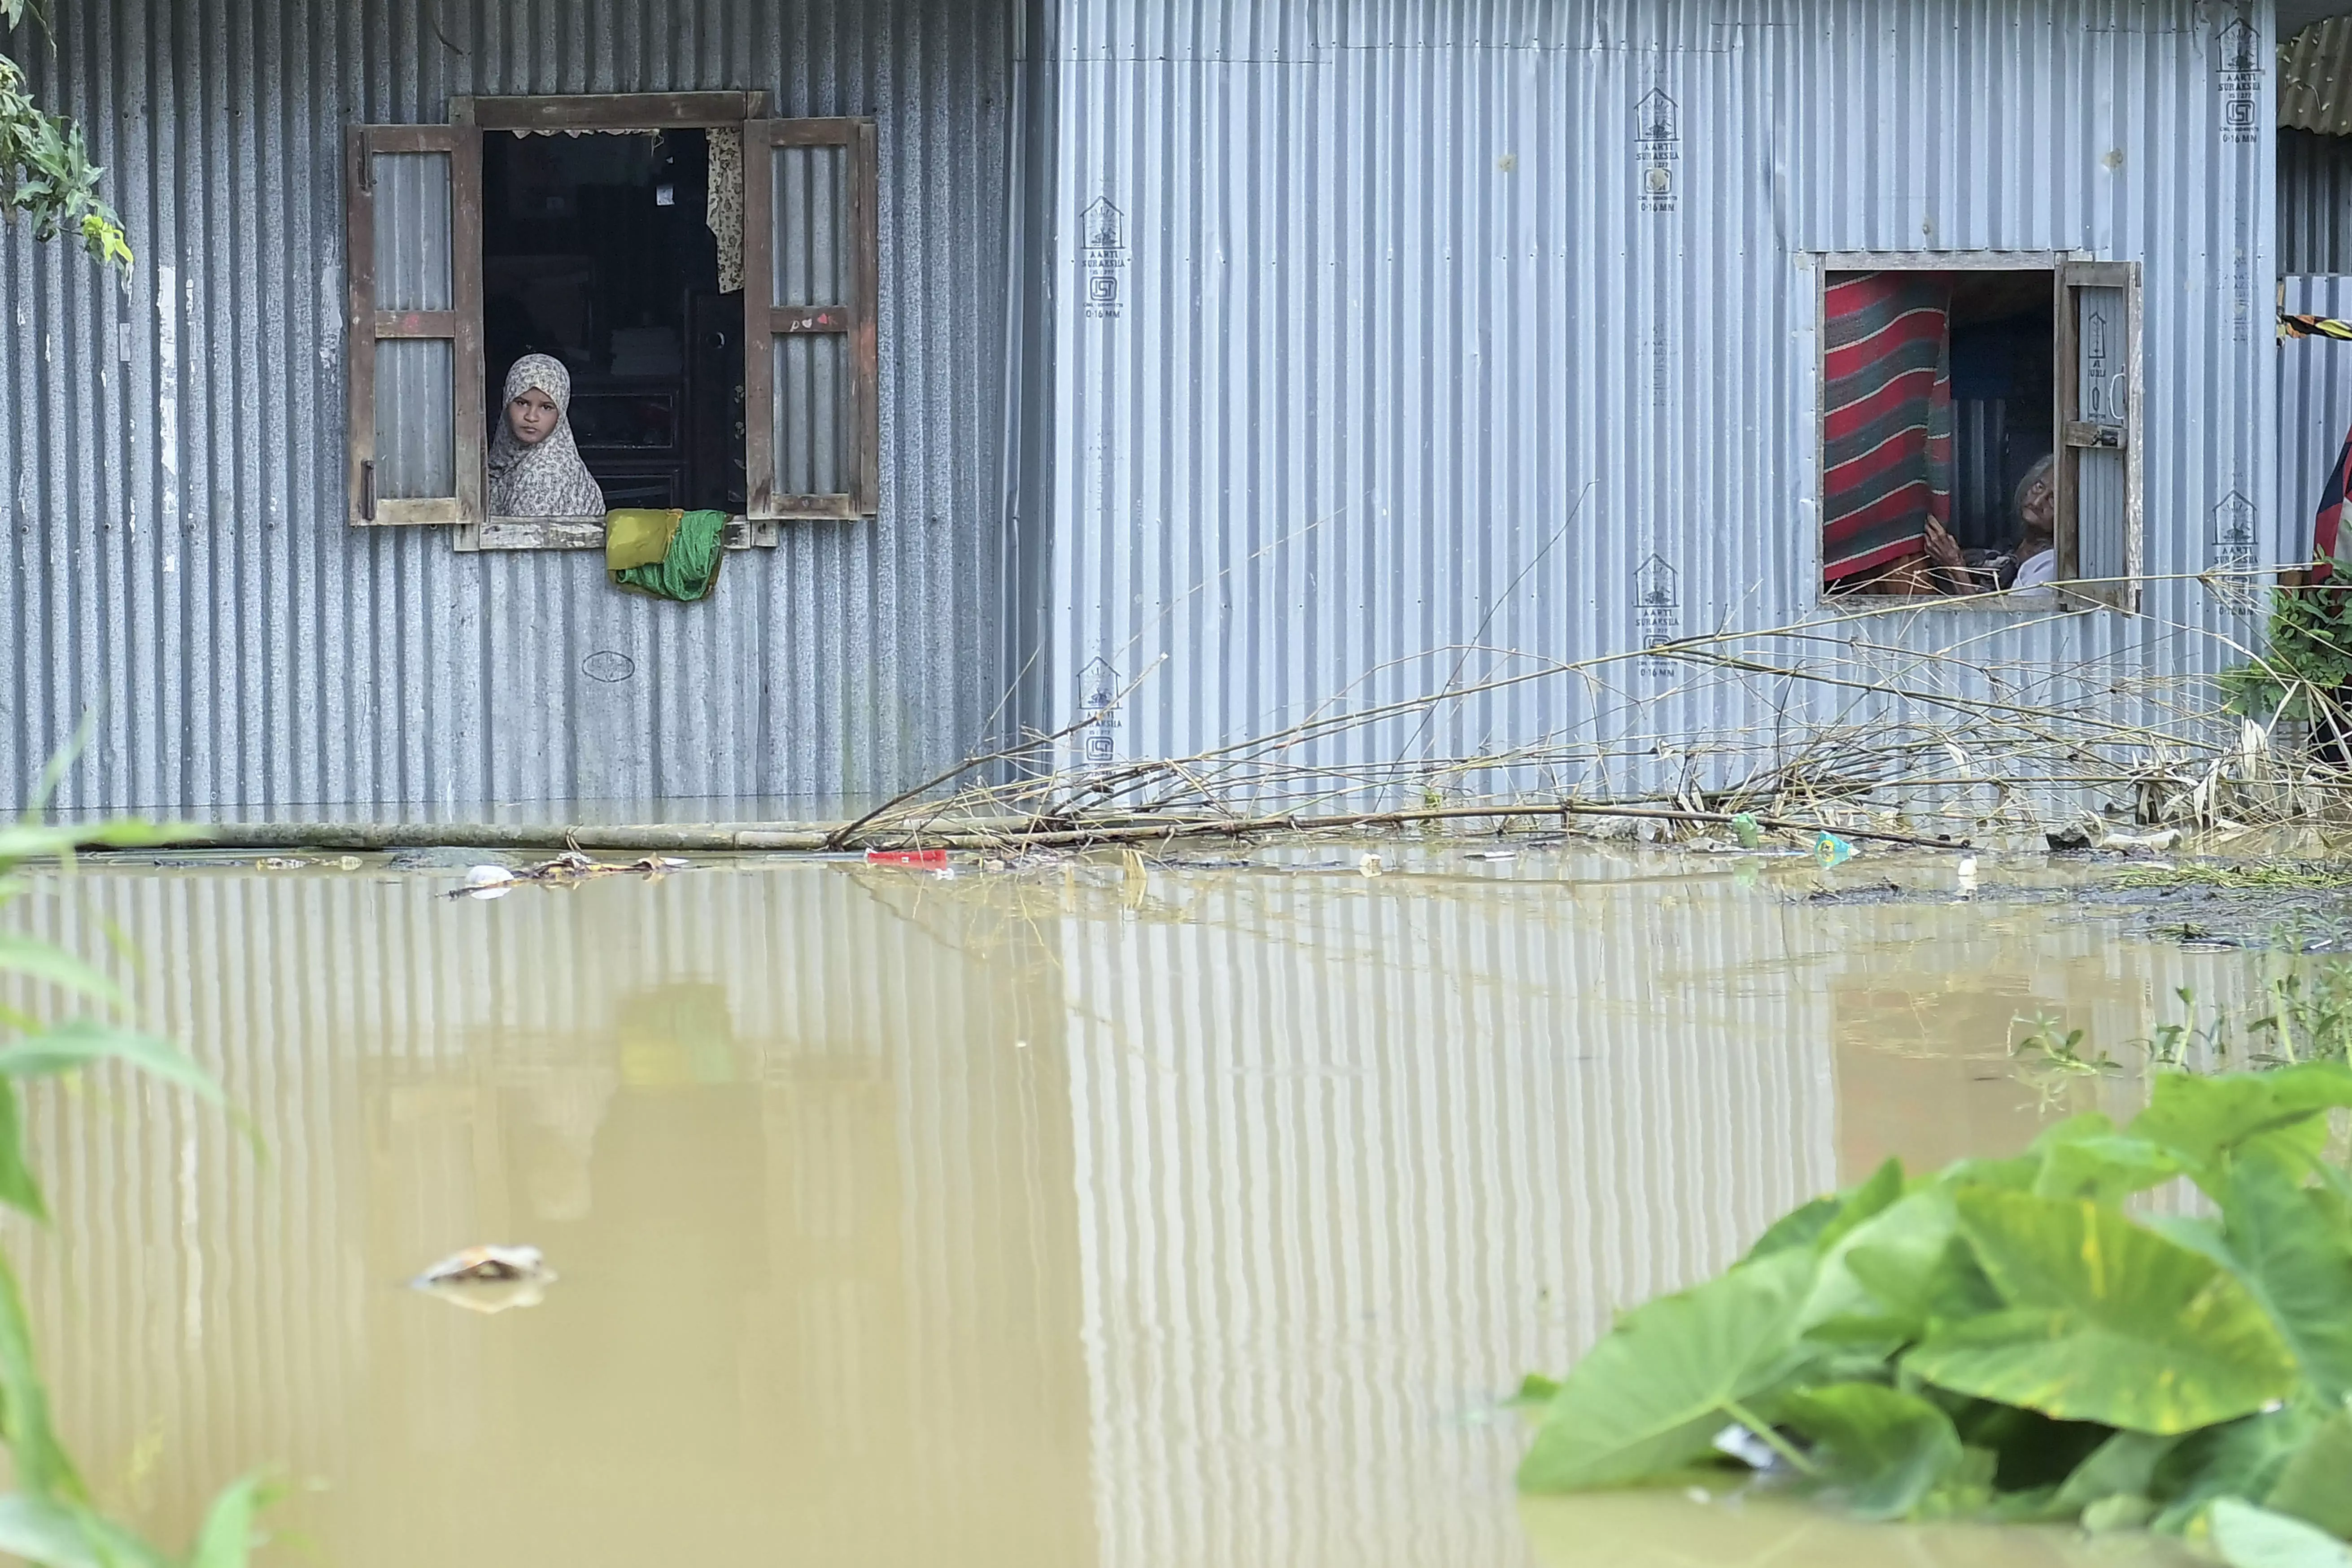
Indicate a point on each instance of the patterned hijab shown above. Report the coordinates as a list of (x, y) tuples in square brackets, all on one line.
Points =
[(548, 479)]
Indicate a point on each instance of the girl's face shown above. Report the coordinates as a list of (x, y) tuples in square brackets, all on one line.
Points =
[(531, 415)]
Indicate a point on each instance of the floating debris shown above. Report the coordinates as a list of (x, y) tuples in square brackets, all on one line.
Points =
[(922, 859), (571, 866), (1829, 849), (2130, 843), (489, 1279), (1370, 866)]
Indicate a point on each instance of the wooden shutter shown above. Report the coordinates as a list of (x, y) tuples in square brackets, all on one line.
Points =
[(811, 394), (412, 344), (2098, 473)]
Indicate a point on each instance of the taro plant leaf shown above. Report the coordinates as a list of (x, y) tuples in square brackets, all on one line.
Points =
[(2123, 1466), (39, 1530), (2251, 1537), (2106, 1168), (1906, 1239), (40, 960), (2273, 1114), (1885, 1449), (19, 1188), (1803, 1226), (2238, 1458), (1651, 1396), (1822, 1222), (2313, 1485), (79, 1043), (2104, 1321), (2291, 1254)]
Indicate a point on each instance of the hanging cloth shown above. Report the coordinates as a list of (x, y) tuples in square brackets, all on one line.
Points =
[(1888, 422), (666, 554)]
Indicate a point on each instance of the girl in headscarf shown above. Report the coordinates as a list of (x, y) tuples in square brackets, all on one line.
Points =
[(535, 469)]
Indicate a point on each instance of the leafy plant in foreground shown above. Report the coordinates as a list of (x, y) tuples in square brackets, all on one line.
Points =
[(45, 167), (2003, 1341), (50, 1518)]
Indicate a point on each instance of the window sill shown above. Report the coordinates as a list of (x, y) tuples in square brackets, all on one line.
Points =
[(587, 533), (2009, 602)]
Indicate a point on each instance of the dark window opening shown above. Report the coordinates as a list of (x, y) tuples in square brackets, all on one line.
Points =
[(2004, 334), (597, 249)]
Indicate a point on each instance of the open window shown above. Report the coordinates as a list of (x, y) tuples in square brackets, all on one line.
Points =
[(706, 276), (1978, 429)]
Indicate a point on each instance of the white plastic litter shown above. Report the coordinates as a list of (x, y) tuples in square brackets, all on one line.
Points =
[(489, 1279), (490, 882)]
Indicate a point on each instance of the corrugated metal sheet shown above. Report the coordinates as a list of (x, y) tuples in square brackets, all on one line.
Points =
[(170, 471), (2315, 406), (1405, 349), (2314, 203), (2314, 72)]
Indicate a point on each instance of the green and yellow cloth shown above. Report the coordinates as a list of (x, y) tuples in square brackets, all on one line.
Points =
[(669, 555)]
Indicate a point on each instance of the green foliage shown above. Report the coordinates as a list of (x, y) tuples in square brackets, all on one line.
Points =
[(50, 1518), (2004, 1341), (45, 167)]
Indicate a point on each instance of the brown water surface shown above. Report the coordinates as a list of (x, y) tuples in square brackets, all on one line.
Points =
[(1111, 1214)]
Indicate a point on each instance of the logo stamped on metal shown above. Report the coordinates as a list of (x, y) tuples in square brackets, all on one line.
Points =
[(1657, 151), (1657, 611), (1104, 260), (2232, 553)]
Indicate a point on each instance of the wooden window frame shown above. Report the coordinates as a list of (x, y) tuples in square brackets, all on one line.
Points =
[(853, 319), (470, 117), (461, 324), (2068, 271)]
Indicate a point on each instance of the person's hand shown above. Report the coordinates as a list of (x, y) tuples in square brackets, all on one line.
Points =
[(1942, 549)]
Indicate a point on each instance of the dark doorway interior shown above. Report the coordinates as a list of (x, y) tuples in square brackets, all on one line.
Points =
[(595, 249), (2004, 342)]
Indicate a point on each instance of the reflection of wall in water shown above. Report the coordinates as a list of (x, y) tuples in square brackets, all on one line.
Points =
[(811, 1210), (1354, 1155)]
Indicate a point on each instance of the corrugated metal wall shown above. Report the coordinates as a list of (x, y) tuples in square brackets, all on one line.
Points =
[(2314, 203), (170, 471), (1406, 346), (2315, 406)]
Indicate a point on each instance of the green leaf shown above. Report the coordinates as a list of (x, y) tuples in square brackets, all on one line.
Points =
[(2274, 1115), (28, 841), (1651, 1396), (1801, 1226), (2086, 1158), (2239, 1459), (51, 965), (2104, 1321), (1822, 1222), (2123, 1466), (19, 1188), (1886, 1449), (228, 1536), (79, 1043), (42, 1467), (2251, 1537), (2290, 1253), (1897, 1249), (2316, 1484), (41, 1531)]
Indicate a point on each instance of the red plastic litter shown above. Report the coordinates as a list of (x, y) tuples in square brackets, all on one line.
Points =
[(933, 857)]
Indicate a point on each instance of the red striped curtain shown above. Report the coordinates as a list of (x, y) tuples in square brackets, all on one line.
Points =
[(1887, 434)]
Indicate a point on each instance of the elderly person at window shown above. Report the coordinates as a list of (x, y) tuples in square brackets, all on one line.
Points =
[(2031, 563), (535, 469)]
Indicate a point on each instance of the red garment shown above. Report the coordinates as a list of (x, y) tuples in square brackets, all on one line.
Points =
[(1886, 430)]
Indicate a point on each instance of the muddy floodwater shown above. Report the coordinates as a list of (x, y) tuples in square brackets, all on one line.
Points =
[(1140, 1215)]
